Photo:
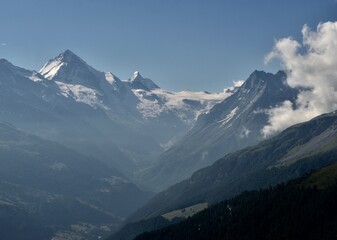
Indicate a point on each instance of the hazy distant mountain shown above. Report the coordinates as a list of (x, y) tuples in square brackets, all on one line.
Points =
[(125, 124), (37, 105), (230, 125), (106, 91), (138, 82), (51, 189), (149, 117), (137, 97), (294, 152)]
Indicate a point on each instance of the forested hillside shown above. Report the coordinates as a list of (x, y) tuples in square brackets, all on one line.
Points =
[(302, 209)]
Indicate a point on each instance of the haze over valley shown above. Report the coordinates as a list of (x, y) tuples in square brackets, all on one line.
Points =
[(213, 134)]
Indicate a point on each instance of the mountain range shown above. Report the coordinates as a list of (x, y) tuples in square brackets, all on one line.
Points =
[(124, 123), (233, 124), (292, 153), (82, 150), (72, 140)]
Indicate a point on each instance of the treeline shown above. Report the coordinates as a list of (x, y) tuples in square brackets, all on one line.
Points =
[(285, 212)]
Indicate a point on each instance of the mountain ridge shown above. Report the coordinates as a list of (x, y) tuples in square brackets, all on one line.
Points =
[(294, 210), (232, 124), (96, 113), (251, 168)]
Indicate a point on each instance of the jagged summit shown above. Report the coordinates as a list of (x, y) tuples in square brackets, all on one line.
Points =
[(138, 96), (139, 82), (135, 76), (69, 56), (50, 69), (265, 75), (230, 125), (67, 67), (68, 52), (259, 79)]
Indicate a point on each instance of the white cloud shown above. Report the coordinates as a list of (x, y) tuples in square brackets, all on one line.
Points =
[(235, 85), (4, 44), (238, 83), (310, 65)]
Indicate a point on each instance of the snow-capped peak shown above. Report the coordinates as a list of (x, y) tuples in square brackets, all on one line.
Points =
[(68, 56), (67, 67), (138, 82), (111, 78), (52, 67), (114, 82), (135, 76)]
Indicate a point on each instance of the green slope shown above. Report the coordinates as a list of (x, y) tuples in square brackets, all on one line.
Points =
[(323, 178), (297, 210), (292, 153)]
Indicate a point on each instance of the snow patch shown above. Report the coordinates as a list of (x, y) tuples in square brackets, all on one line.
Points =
[(229, 116), (110, 77), (81, 94), (35, 77), (50, 69), (189, 105), (148, 106)]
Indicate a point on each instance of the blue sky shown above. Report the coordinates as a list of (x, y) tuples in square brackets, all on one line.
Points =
[(180, 44)]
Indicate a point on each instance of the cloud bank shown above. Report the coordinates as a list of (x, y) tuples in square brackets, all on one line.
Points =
[(312, 66)]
